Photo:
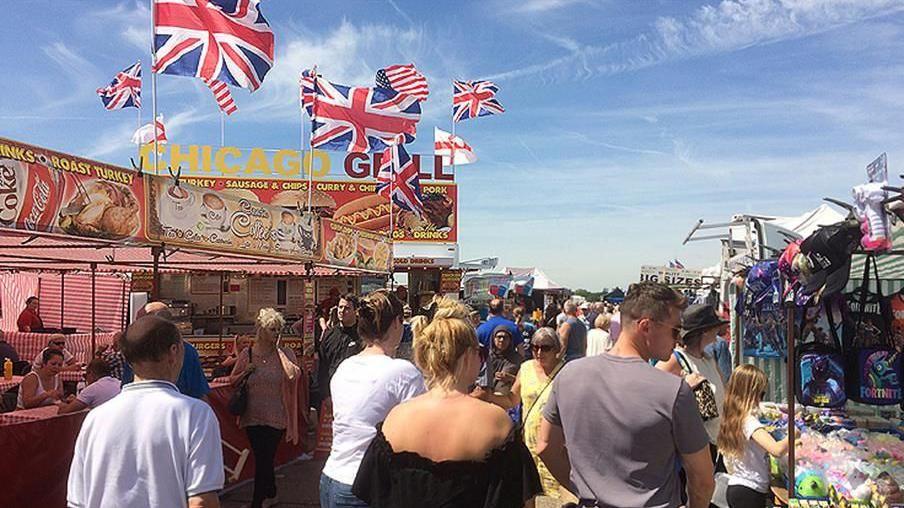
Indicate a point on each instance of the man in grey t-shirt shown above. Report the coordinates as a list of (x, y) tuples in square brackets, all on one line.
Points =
[(626, 424)]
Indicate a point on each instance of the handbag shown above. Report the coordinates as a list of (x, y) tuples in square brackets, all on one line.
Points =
[(820, 372), (238, 402), (873, 364), (706, 397)]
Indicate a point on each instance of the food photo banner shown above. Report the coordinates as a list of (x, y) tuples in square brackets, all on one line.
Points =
[(353, 203), (352, 247), (47, 191)]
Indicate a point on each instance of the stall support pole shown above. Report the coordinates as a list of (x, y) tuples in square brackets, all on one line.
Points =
[(155, 290), (221, 309), (93, 308), (62, 299), (791, 385)]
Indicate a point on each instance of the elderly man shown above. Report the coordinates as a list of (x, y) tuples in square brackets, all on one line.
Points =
[(150, 445), (572, 334), (191, 381), (58, 341)]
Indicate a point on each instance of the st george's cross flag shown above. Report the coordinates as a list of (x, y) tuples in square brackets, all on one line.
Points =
[(124, 91), (357, 119), (225, 40), (145, 133), (471, 99), (403, 79), (445, 144), (223, 96), (398, 179)]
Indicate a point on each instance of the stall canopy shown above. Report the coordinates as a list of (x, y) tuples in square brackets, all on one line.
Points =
[(541, 281)]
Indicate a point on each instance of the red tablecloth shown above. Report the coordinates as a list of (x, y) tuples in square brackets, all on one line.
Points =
[(7, 385), (36, 448), (28, 345)]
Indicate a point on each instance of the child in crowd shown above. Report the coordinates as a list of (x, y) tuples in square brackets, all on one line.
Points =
[(744, 441)]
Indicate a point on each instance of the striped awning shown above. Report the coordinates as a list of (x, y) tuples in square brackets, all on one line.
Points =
[(75, 302)]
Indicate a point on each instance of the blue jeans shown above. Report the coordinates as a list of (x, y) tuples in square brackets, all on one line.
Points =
[(337, 495)]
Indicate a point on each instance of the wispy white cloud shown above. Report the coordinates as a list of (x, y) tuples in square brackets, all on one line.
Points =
[(730, 25), (544, 6), (402, 13)]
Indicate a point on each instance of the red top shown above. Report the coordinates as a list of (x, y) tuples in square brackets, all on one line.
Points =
[(29, 321)]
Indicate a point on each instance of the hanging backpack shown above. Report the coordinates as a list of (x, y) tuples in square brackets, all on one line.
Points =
[(820, 363), (873, 364), (763, 318)]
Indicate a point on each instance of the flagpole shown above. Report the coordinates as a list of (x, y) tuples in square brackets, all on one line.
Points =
[(392, 177), (154, 86), (141, 162), (310, 140), (222, 128)]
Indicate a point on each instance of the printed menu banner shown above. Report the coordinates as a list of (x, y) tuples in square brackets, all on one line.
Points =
[(353, 203), (352, 247), (182, 214), (47, 191)]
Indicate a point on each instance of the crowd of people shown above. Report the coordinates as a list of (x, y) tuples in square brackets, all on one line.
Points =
[(594, 405)]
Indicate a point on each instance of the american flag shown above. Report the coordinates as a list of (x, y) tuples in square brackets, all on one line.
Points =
[(358, 119), (404, 79), (223, 96), (406, 187), (471, 99), (676, 264), (124, 91), (225, 40)]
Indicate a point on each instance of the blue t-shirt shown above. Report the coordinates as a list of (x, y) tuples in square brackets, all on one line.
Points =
[(191, 382), (485, 331)]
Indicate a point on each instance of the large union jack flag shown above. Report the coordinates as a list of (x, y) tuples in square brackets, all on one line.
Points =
[(124, 91), (356, 119), (225, 40), (471, 99), (401, 179)]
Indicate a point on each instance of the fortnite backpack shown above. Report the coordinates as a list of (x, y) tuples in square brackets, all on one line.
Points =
[(820, 364), (763, 318)]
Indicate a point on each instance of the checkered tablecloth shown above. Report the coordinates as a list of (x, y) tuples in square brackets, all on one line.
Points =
[(28, 415), (29, 345), (7, 385)]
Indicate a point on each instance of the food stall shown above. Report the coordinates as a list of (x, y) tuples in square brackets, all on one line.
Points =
[(221, 254)]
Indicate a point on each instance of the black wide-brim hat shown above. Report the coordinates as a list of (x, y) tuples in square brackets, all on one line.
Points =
[(699, 318)]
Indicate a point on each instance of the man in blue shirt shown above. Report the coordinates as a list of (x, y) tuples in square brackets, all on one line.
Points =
[(721, 351), (192, 381), (485, 331)]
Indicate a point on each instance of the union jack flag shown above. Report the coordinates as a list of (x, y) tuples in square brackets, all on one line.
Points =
[(225, 40), (471, 99), (358, 119), (405, 185), (306, 91), (124, 91)]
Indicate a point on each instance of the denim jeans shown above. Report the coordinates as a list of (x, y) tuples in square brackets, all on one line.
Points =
[(337, 495)]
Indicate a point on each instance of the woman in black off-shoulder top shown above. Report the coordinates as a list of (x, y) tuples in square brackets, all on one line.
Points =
[(446, 449)]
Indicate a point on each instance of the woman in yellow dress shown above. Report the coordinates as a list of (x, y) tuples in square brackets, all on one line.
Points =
[(531, 390)]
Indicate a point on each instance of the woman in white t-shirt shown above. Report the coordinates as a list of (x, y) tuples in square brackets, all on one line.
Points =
[(744, 441), (365, 388)]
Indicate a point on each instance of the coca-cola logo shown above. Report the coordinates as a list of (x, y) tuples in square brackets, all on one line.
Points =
[(40, 195), (9, 195)]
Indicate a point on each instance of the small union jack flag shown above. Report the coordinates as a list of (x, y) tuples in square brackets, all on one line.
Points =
[(471, 99), (124, 91), (399, 175), (306, 91), (226, 40), (358, 119)]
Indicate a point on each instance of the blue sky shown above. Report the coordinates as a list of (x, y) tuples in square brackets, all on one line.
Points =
[(627, 121)]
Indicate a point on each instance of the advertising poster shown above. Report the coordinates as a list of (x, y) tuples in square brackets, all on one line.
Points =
[(182, 214), (47, 191), (351, 247)]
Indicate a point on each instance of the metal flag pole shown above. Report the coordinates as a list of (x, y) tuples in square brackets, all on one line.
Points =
[(153, 85), (394, 165), (222, 128), (139, 126), (452, 160), (310, 140)]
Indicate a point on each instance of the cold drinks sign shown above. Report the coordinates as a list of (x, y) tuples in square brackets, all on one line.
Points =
[(678, 277)]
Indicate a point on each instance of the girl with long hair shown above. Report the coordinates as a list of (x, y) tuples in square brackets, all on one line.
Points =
[(744, 441)]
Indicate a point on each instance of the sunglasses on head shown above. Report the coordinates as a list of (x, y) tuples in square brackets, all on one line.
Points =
[(541, 347)]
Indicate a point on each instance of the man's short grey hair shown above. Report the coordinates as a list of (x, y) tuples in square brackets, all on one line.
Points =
[(570, 307)]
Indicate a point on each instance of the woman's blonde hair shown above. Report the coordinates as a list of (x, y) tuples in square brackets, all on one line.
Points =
[(440, 346), (418, 323), (269, 317), (743, 394), (376, 313), (449, 308)]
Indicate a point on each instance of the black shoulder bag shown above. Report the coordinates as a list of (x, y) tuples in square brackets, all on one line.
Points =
[(238, 403)]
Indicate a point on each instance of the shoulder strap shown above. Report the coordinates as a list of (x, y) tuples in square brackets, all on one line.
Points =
[(687, 365), (552, 376)]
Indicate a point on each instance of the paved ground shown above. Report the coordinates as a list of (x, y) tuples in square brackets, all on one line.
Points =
[(297, 484)]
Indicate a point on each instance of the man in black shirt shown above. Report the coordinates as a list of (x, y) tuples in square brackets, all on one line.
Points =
[(339, 343)]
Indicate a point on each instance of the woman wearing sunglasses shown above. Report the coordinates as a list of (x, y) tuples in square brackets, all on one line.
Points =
[(531, 389)]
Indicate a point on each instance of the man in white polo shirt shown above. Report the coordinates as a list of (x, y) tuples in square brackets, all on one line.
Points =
[(150, 446)]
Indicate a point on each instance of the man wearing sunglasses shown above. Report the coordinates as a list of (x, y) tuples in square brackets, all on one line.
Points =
[(620, 425), (58, 341)]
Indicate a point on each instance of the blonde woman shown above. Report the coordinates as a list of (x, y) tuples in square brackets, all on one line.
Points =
[(365, 388), (479, 460), (531, 390), (744, 441), (272, 372)]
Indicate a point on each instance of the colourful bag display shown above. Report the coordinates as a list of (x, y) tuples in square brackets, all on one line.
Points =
[(763, 318), (820, 363)]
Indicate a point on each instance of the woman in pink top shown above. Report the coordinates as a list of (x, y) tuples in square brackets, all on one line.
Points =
[(272, 411)]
